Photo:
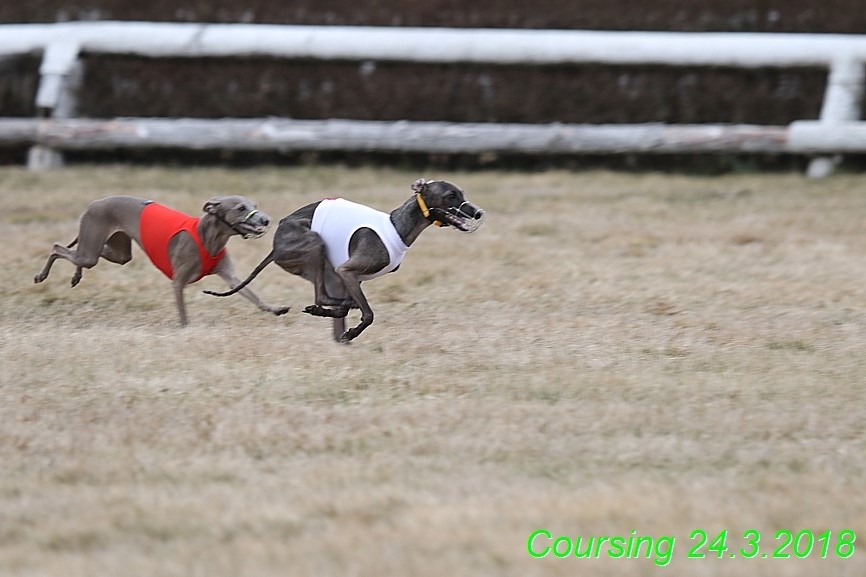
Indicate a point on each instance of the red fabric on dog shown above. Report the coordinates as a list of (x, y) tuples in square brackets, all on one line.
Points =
[(159, 224)]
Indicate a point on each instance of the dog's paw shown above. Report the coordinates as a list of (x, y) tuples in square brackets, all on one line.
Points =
[(320, 311), (352, 333), (281, 311), (315, 310), (39, 278), (349, 335)]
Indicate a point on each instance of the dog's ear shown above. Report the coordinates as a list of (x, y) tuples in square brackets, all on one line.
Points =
[(212, 206), (419, 185)]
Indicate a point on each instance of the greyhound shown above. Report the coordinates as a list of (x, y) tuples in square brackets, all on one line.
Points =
[(183, 247), (336, 244)]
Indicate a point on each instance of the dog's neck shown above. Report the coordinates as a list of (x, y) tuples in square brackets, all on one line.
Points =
[(213, 236), (409, 221)]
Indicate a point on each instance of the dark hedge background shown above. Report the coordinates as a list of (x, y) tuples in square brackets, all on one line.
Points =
[(842, 16), (116, 86)]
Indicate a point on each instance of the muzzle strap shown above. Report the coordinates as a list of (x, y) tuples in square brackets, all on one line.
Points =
[(234, 227), (424, 210)]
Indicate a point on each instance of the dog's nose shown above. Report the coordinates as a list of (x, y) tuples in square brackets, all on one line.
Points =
[(479, 214), (266, 221)]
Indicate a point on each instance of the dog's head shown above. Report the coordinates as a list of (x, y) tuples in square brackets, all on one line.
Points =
[(443, 202), (239, 214)]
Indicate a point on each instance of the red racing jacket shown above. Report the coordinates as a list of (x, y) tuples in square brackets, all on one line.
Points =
[(159, 224)]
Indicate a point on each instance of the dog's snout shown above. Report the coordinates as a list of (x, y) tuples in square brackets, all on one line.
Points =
[(474, 212)]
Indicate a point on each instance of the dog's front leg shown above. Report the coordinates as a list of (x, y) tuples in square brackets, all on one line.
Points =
[(186, 267), (353, 286), (178, 286), (225, 270), (367, 255)]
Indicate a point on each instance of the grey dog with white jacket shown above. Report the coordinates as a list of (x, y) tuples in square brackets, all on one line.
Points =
[(336, 244)]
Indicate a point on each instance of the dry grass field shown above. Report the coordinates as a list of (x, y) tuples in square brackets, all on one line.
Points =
[(610, 355)]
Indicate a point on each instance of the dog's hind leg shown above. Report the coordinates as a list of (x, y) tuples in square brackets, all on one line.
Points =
[(96, 228), (338, 329), (335, 291), (336, 288), (75, 256), (300, 251), (52, 256), (118, 248), (87, 255), (72, 255)]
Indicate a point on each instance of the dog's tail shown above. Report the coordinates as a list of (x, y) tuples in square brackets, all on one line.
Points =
[(73, 243), (267, 260)]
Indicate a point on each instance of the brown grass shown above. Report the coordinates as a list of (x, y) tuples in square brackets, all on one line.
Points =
[(609, 353)]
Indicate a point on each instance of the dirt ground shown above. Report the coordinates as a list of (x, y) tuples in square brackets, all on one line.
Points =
[(612, 355)]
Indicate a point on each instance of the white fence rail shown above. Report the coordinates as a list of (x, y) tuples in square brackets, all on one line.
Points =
[(836, 130), (434, 137), (499, 46)]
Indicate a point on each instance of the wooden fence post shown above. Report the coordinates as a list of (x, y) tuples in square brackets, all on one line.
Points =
[(61, 75), (843, 98)]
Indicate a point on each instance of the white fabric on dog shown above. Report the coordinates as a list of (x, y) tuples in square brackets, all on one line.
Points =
[(337, 219)]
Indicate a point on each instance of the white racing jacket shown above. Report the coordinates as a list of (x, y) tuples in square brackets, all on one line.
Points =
[(337, 219)]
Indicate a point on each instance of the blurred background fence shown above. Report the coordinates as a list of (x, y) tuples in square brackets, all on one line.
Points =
[(395, 81)]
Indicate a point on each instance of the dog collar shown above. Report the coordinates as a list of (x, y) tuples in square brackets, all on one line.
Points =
[(424, 210)]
